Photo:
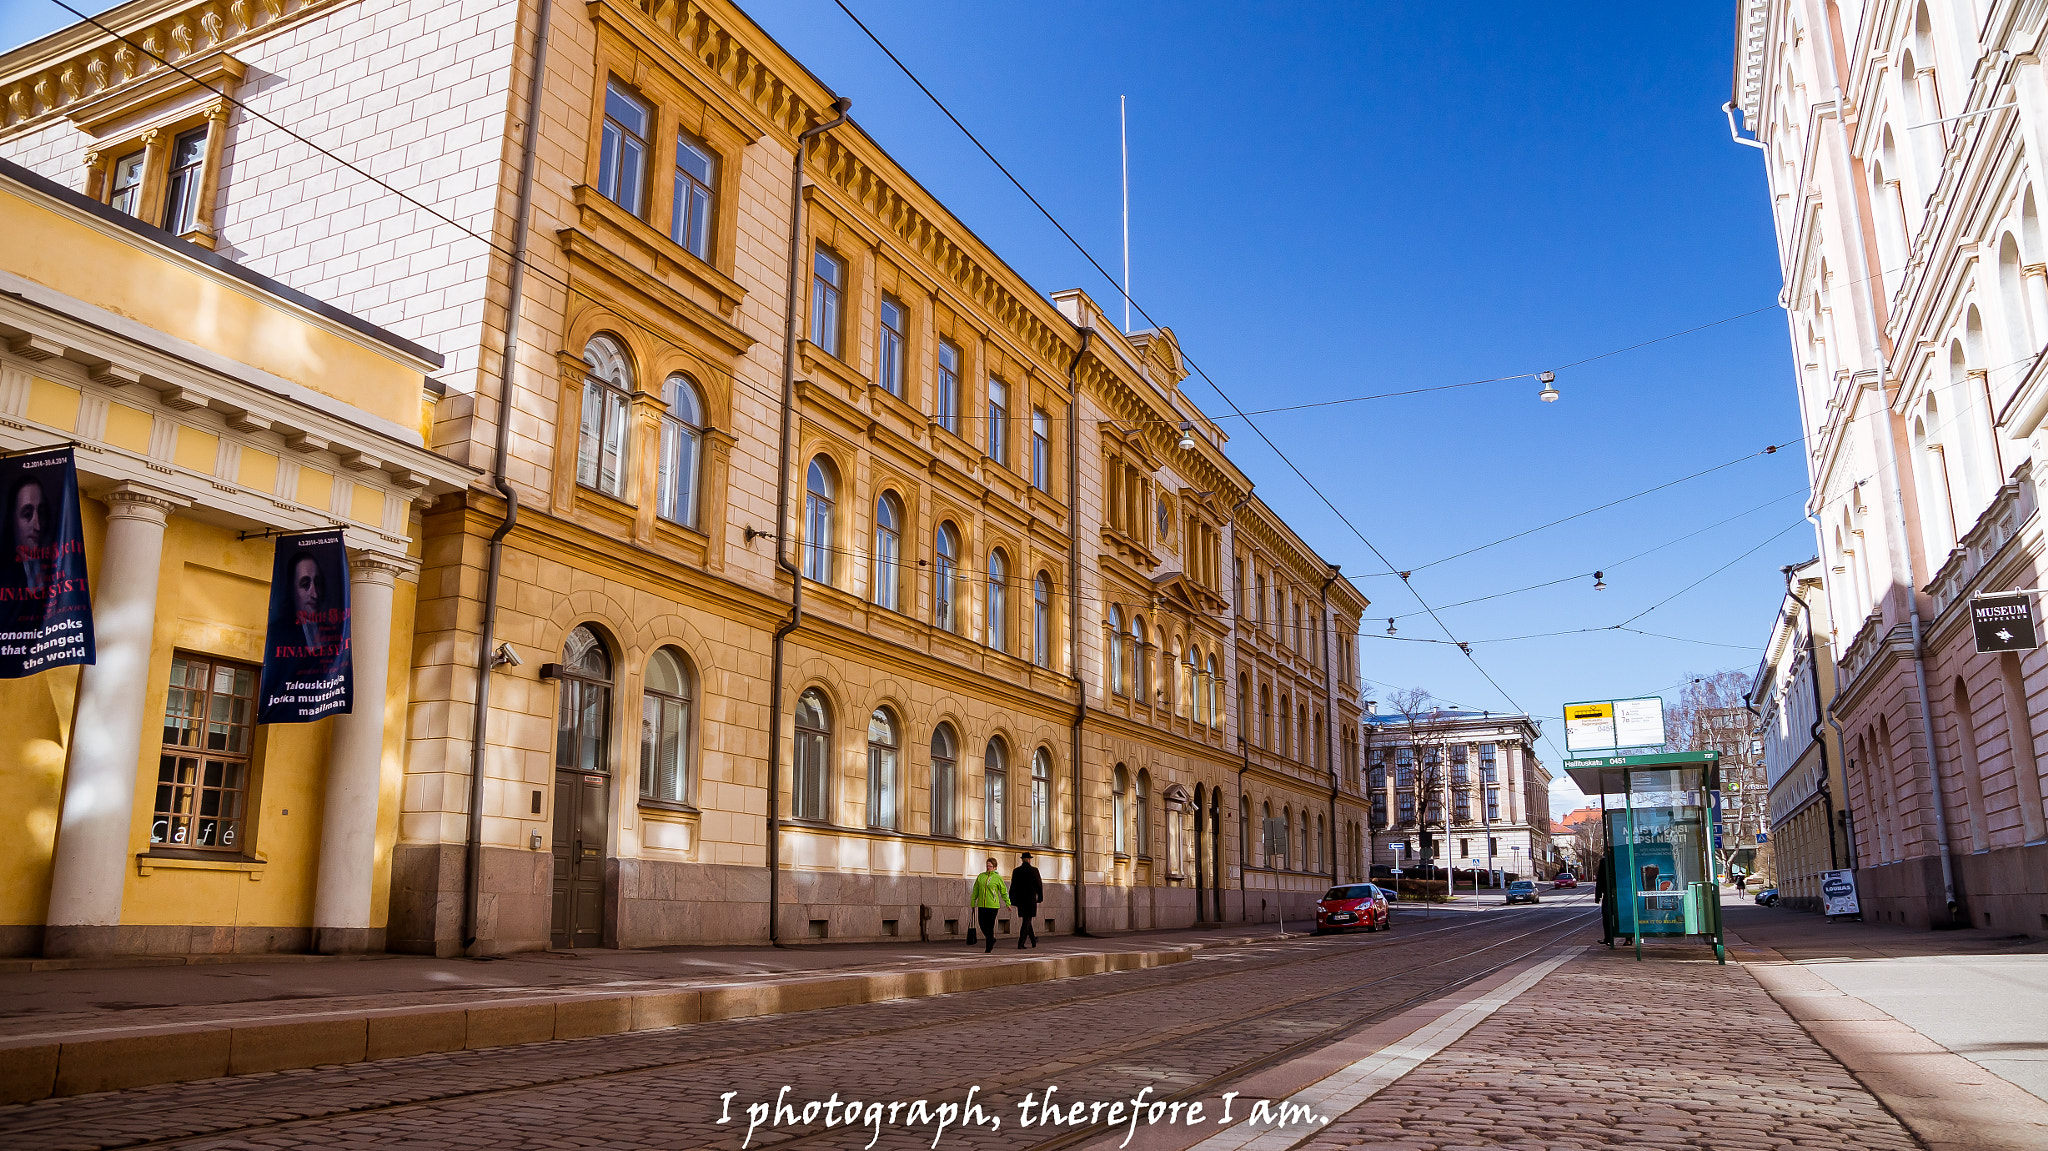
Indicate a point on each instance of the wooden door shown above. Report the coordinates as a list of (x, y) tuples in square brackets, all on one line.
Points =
[(580, 824)]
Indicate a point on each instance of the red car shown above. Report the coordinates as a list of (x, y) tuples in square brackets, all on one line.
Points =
[(1565, 879), (1351, 906)]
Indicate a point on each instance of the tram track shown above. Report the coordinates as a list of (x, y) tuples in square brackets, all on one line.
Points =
[(1323, 952), (1294, 1050)]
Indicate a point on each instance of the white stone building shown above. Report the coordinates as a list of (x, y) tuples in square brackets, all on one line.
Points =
[(1902, 142), (1480, 769)]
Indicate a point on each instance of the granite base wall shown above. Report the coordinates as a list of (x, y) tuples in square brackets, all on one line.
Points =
[(513, 906)]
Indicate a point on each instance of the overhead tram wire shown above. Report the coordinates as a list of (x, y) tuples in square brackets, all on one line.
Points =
[(1189, 360), (546, 274)]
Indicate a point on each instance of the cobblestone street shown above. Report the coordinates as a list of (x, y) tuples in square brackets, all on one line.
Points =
[(1583, 1048), (1192, 1027)]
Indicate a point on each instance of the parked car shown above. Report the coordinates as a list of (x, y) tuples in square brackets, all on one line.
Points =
[(1766, 896), (1523, 891), (1565, 879), (1352, 906)]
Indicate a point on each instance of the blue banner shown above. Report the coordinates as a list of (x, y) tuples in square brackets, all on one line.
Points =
[(45, 603), (308, 672)]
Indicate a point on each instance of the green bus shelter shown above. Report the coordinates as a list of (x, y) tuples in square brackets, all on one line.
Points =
[(1661, 816)]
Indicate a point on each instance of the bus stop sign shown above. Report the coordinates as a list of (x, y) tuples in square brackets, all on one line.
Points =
[(2003, 623)]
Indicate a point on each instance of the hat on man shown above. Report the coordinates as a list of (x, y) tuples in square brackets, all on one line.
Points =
[(1027, 855)]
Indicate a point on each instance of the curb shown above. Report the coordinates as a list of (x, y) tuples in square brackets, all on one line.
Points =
[(112, 1059)]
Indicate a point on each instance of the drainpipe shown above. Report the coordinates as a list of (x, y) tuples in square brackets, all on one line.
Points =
[(473, 844), (1935, 799), (1074, 619), (1841, 741), (782, 560), (1244, 747), (1330, 717)]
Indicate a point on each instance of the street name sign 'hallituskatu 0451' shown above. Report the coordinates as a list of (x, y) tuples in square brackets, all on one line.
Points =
[(2004, 622)]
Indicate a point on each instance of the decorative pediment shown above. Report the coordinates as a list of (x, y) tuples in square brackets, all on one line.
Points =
[(1174, 587)]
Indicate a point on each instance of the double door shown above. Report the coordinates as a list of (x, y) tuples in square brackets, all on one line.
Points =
[(580, 833)]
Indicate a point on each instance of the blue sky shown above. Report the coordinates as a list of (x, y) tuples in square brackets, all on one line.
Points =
[(1341, 200)]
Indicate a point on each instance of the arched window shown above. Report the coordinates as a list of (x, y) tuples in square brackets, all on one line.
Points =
[(1286, 839), (885, 787), (995, 792), (682, 436), (1116, 652), (1303, 752), (1041, 620), (1244, 829), (888, 551), (998, 602), (1142, 812), (1120, 810), (821, 491), (2012, 300), (1284, 726), (1141, 661), (813, 756), (1319, 843), (1173, 677), (1041, 798), (1265, 718), (1215, 694), (584, 721), (665, 729), (945, 781), (1244, 706), (601, 444), (946, 579)]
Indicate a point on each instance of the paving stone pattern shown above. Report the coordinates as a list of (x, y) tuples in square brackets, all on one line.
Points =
[(1099, 1038), (1669, 1053)]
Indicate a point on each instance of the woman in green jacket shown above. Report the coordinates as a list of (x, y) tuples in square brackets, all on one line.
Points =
[(990, 896)]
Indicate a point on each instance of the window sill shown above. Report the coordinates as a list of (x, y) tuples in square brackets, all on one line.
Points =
[(149, 861), (649, 803)]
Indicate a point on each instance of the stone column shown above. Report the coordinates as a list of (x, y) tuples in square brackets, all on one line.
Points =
[(355, 769), (91, 860)]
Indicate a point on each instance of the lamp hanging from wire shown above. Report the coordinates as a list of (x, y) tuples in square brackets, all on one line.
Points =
[(1549, 381)]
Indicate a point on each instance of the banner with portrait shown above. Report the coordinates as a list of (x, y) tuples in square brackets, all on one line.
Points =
[(308, 672), (45, 603)]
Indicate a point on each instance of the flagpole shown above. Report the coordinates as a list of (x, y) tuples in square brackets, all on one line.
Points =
[(1124, 136)]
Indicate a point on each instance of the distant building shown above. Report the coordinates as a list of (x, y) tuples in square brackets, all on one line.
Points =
[(1807, 819), (1745, 831), (1459, 789)]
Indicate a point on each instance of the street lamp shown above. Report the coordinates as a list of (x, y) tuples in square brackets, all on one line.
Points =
[(1549, 381)]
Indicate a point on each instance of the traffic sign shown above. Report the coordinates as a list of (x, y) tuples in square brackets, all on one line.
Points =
[(2004, 622)]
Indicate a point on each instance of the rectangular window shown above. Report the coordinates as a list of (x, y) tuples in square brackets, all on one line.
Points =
[(1237, 587), (828, 288), (1492, 804), (1407, 807), (690, 220), (1487, 773), (126, 193), (1041, 450), (622, 153), (181, 195), (994, 821), (946, 404), (202, 781), (999, 421), (889, 349)]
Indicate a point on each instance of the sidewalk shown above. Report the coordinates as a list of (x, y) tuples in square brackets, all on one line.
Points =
[(1764, 1053), (82, 1029)]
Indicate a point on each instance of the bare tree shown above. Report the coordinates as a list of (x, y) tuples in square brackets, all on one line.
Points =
[(1421, 763), (1711, 715)]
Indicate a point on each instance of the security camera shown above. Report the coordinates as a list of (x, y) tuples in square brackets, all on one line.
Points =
[(505, 656)]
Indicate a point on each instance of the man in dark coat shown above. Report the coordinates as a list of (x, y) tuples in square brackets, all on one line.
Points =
[(1026, 892)]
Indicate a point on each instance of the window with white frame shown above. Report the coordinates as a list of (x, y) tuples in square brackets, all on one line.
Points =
[(888, 551), (1041, 620), (821, 485), (664, 729), (884, 769), (945, 781), (601, 444), (1041, 450), (1041, 798), (946, 400), (622, 150), (999, 421), (682, 447), (995, 778), (828, 295), (889, 348), (998, 602), (946, 579), (813, 759), (690, 218)]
